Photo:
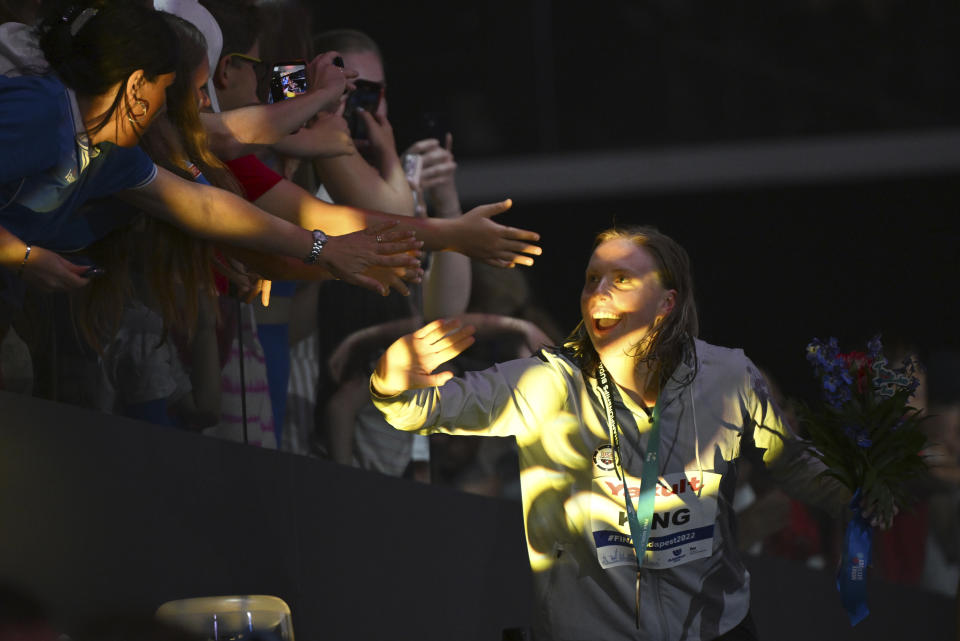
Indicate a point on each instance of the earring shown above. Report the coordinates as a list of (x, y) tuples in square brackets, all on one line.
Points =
[(136, 118)]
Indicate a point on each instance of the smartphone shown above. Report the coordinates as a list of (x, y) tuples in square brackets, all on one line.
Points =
[(289, 79), (367, 95), (432, 125)]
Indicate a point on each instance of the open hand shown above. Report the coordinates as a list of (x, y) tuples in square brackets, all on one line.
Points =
[(479, 237), (410, 361), (354, 258)]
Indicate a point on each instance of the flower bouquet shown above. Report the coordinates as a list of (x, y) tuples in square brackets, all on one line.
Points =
[(866, 433)]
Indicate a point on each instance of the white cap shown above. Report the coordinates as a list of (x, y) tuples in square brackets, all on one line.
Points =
[(197, 15)]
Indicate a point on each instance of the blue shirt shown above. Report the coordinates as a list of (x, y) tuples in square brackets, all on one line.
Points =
[(48, 171)]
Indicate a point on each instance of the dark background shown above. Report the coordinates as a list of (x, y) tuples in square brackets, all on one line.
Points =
[(774, 265), (545, 75)]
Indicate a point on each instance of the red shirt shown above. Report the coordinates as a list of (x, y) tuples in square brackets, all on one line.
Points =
[(255, 177)]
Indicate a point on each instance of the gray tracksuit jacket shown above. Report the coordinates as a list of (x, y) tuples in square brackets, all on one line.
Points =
[(693, 585)]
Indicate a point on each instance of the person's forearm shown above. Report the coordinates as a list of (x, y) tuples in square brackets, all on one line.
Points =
[(273, 267), (265, 124), (391, 172), (12, 250), (315, 142), (446, 286), (350, 180), (217, 215), (300, 207)]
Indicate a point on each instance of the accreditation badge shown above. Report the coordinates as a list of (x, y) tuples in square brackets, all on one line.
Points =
[(684, 517)]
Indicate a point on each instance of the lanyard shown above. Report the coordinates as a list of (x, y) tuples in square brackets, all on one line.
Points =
[(639, 525), (640, 517)]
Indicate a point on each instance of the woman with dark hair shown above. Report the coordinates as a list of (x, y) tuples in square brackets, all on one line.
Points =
[(629, 437), (97, 78)]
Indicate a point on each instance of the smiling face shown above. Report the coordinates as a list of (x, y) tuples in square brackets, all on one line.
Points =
[(622, 298)]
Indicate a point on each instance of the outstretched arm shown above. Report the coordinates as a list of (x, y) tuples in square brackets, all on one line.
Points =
[(510, 398), (410, 361), (214, 214), (474, 234), (218, 215), (357, 258), (268, 124)]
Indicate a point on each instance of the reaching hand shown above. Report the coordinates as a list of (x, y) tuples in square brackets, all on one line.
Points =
[(333, 81), (50, 271), (409, 362), (354, 258), (479, 237)]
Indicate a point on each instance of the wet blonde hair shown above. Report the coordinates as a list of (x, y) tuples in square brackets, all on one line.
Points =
[(664, 347)]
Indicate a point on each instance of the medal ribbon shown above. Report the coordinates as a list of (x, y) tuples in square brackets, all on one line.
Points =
[(639, 518)]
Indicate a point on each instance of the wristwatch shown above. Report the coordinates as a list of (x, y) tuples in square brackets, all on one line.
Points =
[(319, 240)]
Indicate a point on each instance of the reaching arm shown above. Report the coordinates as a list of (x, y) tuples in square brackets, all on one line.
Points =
[(473, 234), (218, 215), (325, 137), (357, 258), (513, 398), (267, 124)]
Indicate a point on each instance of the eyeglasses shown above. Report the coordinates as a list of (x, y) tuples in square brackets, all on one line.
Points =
[(259, 66)]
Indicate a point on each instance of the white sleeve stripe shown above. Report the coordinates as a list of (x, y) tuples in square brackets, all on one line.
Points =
[(146, 181)]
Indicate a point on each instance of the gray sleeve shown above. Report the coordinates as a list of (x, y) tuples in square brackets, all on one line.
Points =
[(508, 399), (784, 455)]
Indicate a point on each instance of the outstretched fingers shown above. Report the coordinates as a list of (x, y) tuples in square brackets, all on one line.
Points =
[(441, 334), (523, 235), (441, 341), (401, 246), (493, 208)]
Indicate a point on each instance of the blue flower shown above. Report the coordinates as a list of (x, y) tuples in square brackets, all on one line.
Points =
[(829, 367), (858, 436), (875, 348)]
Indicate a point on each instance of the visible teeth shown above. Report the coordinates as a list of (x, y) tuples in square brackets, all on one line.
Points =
[(599, 315)]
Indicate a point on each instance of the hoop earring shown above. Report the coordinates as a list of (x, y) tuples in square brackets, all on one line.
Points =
[(135, 118)]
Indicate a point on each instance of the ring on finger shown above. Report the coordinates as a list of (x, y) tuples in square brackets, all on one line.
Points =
[(379, 238)]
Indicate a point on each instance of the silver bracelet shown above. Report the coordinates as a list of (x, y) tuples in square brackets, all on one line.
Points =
[(319, 240), (24, 263)]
